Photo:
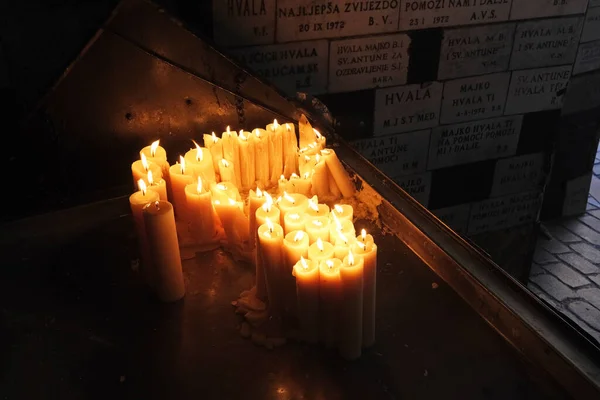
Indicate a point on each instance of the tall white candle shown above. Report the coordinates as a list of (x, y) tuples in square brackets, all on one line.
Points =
[(138, 201), (215, 146), (270, 239), (307, 295), (261, 148), (247, 160), (351, 324), (231, 152), (364, 247), (275, 151)]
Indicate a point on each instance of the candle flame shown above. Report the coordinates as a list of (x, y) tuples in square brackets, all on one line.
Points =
[(363, 233), (307, 158), (150, 178), (182, 163), (199, 185), (313, 203), (317, 222), (329, 263), (142, 186), (294, 216), (154, 147), (269, 224), (299, 236), (302, 150), (288, 197), (306, 175), (242, 136), (294, 176), (303, 261), (199, 153), (282, 178), (317, 133), (338, 224), (228, 131), (268, 198), (312, 145), (217, 202), (220, 186), (231, 201), (145, 162), (215, 139), (320, 244), (275, 125), (259, 192), (287, 126), (338, 209), (257, 133), (318, 157), (325, 152), (361, 245), (350, 257), (225, 162), (342, 236)]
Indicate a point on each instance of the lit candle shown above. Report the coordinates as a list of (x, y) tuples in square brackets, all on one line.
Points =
[(306, 133), (307, 163), (300, 185), (320, 178), (315, 209), (295, 245), (346, 227), (343, 212), (158, 155), (365, 248), (180, 177), (225, 190), (261, 148), (137, 202), (140, 168), (247, 160), (292, 202), (318, 228), (255, 200), (202, 217), (200, 161), (320, 250), (307, 297), (270, 240), (351, 324), (281, 183), (338, 172), (275, 150), (231, 215), (164, 249), (215, 145), (343, 244), (330, 296), (231, 152), (293, 222), (268, 210), (290, 150), (320, 139), (227, 171), (159, 187)]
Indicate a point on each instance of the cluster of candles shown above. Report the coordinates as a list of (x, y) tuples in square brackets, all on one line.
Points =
[(294, 239)]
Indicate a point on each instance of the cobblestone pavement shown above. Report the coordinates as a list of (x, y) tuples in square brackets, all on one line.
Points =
[(566, 265)]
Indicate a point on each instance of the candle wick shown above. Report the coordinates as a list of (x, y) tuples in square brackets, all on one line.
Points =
[(157, 205)]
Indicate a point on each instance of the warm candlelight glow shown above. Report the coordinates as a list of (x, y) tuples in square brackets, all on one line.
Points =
[(182, 163), (303, 262), (306, 175), (342, 236), (231, 201), (242, 136), (256, 132), (259, 192), (314, 203), (145, 162), (338, 224), (142, 186), (294, 176), (268, 202), (153, 148), (329, 263), (350, 258), (269, 224), (199, 186), (217, 202), (287, 126), (275, 125), (299, 235), (317, 222), (289, 198), (150, 178), (363, 234), (294, 216), (307, 159), (228, 131), (220, 186), (338, 208), (318, 157), (361, 245), (317, 133), (312, 145), (282, 178), (199, 154), (215, 139), (325, 152), (320, 244), (225, 162)]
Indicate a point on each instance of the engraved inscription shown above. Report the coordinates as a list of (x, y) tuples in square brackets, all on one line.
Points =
[(407, 108), (421, 14), (318, 19), (518, 174), (474, 98), (475, 51), (591, 27), (523, 9), (293, 67), (417, 186), (588, 57), (244, 22), (546, 43), (369, 62), (396, 155), (456, 217), (504, 212), (474, 141), (537, 89)]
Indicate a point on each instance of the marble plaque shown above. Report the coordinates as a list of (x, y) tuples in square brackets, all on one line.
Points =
[(576, 195), (368, 62), (474, 141), (583, 94), (319, 19), (475, 51), (593, 3), (407, 108), (419, 14), (539, 89), (588, 57), (524, 9), (474, 98), (518, 174), (396, 155), (504, 212), (543, 43), (591, 27), (456, 217), (244, 22), (292, 67), (417, 186)]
